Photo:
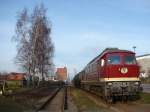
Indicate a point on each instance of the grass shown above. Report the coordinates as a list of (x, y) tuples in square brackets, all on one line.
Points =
[(145, 98), (9, 105), (15, 103), (84, 104), (22, 89)]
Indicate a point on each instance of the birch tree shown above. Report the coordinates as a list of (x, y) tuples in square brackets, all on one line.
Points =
[(43, 48), (22, 38), (34, 43)]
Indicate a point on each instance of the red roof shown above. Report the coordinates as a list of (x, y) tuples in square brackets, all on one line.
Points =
[(3, 77), (13, 76)]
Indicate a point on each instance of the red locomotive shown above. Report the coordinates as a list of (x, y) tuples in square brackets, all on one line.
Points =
[(114, 72)]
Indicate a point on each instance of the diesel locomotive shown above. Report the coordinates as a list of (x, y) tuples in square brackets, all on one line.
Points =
[(113, 73)]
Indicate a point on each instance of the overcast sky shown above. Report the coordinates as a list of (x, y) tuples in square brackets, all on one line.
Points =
[(81, 29)]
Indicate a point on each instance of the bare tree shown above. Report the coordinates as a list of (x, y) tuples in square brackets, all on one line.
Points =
[(22, 38), (43, 48), (35, 47)]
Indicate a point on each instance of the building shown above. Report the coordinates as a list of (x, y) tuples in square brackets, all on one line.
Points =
[(13, 76), (52, 78), (3, 77), (14, 79), (61, 74), (16, 76), (144, 62)]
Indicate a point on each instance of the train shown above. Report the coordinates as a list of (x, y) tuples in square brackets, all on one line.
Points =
[(113, 73)]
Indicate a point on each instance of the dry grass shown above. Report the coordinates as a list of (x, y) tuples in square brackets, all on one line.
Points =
[(83, 103)]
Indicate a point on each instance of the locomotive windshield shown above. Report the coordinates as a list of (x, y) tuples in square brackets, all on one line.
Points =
[(114, 59), (130, 60)]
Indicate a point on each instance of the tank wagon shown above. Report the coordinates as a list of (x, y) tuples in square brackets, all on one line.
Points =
[(113, 73)]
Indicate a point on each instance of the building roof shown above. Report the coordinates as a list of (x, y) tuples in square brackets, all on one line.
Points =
[(145, 56), (110, 50), (13, 76)]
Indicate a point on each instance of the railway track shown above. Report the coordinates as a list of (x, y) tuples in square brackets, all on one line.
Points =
[(57, 102)]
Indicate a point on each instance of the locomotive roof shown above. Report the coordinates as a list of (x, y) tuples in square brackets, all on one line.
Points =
[(110, 50)]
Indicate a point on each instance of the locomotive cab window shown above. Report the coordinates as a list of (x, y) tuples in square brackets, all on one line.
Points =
[(130, 60), (114, 59)]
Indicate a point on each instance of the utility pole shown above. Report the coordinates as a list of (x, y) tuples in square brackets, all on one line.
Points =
[(75, 71), (68, 78), (134, 47)]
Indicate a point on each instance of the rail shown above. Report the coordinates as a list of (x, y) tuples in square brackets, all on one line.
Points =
[(54, 102), (49, 99)]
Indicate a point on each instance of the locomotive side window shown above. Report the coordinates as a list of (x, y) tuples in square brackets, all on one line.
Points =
[(130, 60), (114, 59)]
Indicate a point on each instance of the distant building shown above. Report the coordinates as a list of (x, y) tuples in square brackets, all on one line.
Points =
[(3, 77), (16, 76), (144, 62), (61, 74), (15, 79), (13, 76), (52, 77)]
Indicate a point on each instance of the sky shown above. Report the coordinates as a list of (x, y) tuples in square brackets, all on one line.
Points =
[(81, 29)]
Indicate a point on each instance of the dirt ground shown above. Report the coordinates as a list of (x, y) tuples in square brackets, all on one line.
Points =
[(25, 100)]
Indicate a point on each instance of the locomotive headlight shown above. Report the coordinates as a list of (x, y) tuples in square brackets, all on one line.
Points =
[(1, 92), (136, 83), (109, 84)]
